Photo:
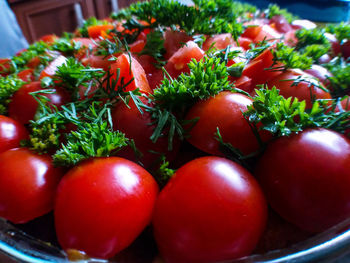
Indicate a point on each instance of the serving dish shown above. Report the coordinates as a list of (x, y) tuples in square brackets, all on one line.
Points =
[(332, 245), (110, 74)]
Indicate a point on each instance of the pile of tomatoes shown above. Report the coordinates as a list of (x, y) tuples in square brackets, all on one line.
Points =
[(212, 208)]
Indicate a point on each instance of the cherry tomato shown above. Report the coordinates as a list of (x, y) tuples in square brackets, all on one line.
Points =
[(321, 73), (257, 69), (212, 209), (51, 69), (23, 106), (26, 75), (345, 49), (136, 126), (224, 111), (173, 41), (11, 133), (102, 205), (306, 89), (5, 66), (129, 70), (280, 24), (220, 41), (177, 64), (306, 178), (28, 183), (98, 30)]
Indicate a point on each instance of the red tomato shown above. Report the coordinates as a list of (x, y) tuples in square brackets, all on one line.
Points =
[(280, 24), (102, 205), (336, 47), (253, 27), (177, 64), (97, 62), (305, 90), (173, 41), (86, 44), (23, 106), (306, 178), (130, 69), (136, 126), (211, 210), (11, 133), (99, 30), (267, 33), (345, 49), (28, 183), (5, 66), (224, 111), (137, 46), (220, 41), (49, 39), (26, 75), (256, 69), (51, 69), (244, 42), (321, 73), (147, 62)]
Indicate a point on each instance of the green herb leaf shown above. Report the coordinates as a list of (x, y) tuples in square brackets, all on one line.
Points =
[(8, 86)]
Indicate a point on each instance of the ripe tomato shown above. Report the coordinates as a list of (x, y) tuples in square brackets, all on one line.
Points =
[(99, 30), (5, 66), (173, 41), (220, 41), (212, 209), (102, 205), (306, 178), (11, 133), (130, 70), (28, 183), (224, 111), (26, 75), (23, 106), (305, 90), (321, 73), (136, 126), (51, 69), (280, 24), (177, 64), (257, 68)]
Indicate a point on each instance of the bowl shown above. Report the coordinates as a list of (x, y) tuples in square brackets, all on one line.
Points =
[(328, 246)]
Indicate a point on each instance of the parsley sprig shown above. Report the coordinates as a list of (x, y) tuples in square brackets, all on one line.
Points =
[(284, 116), (8, 86), (207, 78), (205, 17), (274, 10)]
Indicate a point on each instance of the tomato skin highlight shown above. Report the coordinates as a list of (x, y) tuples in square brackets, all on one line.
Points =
[(224, 111), (102, 205), (11, 133), (212, 209), (28, 183), (306, 178)]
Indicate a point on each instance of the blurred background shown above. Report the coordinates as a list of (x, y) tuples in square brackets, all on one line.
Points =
[(36, 18)]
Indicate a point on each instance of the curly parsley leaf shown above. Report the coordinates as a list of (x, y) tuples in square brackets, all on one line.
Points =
[(284, 116), (8, 86), (274, 10), (340, 79), (289, 58), (341, 31), (191, 19)]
